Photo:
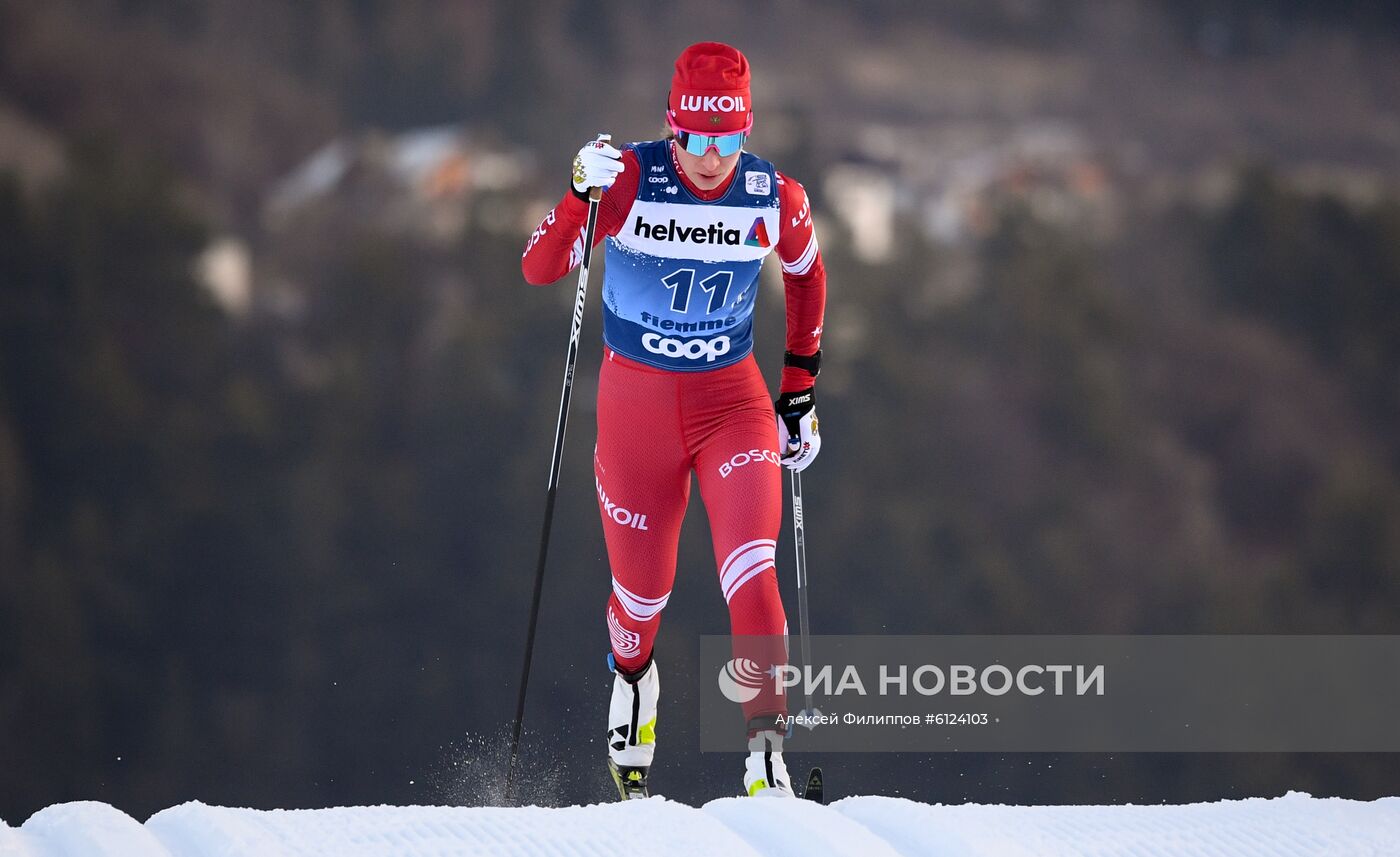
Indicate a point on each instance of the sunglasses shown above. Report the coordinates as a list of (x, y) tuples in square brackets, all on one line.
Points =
[(698, 144)]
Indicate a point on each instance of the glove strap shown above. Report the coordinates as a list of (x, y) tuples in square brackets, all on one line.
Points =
[(810, 364)]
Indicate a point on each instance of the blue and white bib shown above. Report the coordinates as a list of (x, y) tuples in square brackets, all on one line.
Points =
[(682, 274)]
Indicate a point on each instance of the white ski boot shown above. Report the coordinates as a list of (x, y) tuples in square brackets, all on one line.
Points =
[(632, 728), (765, 773)]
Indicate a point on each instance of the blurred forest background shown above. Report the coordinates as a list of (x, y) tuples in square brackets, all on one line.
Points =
[(1112, 346)]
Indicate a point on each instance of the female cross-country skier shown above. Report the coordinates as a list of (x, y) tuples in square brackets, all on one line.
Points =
[(689, 220)]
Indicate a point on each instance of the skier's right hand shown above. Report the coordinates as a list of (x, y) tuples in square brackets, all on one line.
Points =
[(597, 164)]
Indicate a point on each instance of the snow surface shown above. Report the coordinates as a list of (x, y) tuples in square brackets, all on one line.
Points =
[(1295, 824)]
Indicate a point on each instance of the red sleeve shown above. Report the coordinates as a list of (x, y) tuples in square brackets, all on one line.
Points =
[(804, 280), (556, 246)]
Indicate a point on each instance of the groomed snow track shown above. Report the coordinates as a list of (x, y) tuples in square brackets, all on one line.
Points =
[(1295, 824)]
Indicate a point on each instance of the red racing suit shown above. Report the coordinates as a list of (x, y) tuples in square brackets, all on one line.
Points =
[(659, 419)]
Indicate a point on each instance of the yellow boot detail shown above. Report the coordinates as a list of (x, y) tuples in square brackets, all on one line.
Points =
[(646, 733)]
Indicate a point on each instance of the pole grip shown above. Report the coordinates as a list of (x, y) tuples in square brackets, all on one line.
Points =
[(596, 193)]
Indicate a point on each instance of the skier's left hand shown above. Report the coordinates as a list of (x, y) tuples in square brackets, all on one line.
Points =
[(798, 439)]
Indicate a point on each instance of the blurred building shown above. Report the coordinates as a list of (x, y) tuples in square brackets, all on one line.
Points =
[(225, 269), (953, 178), (417, 182)]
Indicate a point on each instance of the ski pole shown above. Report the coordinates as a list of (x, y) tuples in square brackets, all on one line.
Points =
[(803, 624), (594, 196)]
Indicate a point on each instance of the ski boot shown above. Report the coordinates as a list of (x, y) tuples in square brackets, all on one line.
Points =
[(632, 728), (764, 771)]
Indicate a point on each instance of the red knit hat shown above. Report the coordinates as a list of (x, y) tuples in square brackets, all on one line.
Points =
[(710, 90)]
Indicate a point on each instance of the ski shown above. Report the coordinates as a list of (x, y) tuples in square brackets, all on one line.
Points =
[(814, 790), (631, 782)]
